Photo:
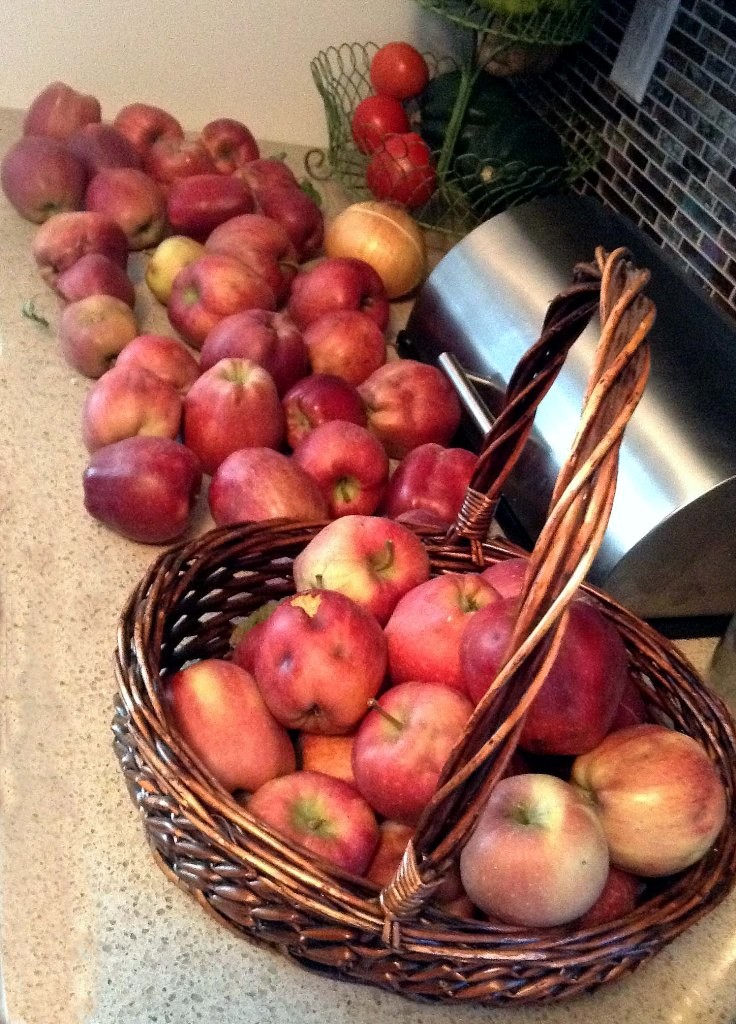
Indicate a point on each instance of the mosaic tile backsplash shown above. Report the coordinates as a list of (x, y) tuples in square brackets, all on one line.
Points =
[(669, 164)]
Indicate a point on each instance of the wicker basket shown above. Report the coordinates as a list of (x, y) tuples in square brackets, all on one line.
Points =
[(262, 886)]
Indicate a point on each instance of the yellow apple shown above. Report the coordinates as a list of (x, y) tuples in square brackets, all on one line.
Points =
[(168, 259)]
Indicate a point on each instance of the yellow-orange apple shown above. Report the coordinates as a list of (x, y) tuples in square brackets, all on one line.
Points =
[(332, 755), (169, 257)]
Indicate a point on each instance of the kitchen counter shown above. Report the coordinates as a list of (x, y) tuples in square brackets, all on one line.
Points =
[(91, 932)]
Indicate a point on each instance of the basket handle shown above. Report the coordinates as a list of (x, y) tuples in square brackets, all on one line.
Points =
[(576, 522)]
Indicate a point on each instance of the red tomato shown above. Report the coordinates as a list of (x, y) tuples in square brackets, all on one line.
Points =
[(374, 118), (398, 70), (402, 171)]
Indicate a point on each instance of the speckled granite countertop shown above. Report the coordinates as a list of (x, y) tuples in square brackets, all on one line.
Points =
[(91, 932)]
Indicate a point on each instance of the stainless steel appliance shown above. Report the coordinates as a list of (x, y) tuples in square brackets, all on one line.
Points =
[(670, 548)]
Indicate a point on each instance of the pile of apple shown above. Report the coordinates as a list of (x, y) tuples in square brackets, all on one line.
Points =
[(270, 341), (337, 708)]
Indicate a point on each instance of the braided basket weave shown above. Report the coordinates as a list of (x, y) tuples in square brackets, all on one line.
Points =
[(264, 887)]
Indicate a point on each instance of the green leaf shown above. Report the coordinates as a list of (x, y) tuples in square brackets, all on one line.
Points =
[(306, 185), (31, 313)]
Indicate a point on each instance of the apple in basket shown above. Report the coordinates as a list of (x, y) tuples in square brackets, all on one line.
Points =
[(658, 795), (507, 575), (373, 560), (338, 283), (577, 703), (332, 755), (431, 479), (620, 896), (218, 710), (325, 815), (348, 464), (402, 744), (167, 357), (144, 488), (320, 398), (538, 854), (321, 658), (427, 625), (408, 404)]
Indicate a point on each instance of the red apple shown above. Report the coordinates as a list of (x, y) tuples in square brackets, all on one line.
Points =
[(348, 464), (321, 658), (196, 205), (347, 344), (232, 405), (537, 856), (40, 178), (144, 488), (427, 625), (219, 713), (371, 559), (391, 847), (331, 755), (92, 331), (210, 288), (127, 401), (260, 243), (254, 484), (58, 110), (338, 283), (620, 895), (167, 357), (63, 238), (401, 746), (658, 795), (266, 172), (244, 639), (320, 398), (577, 703), (171, 158), (507, 575), (408, 404), (631, 709), (299, 215), (430, 479), (322, 814), (270, 339), (133, 200), (95, 274), (100, 145), (230, 144), (143, 124)]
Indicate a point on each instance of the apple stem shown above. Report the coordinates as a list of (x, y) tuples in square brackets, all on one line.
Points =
[(375, 706), (384, 559)]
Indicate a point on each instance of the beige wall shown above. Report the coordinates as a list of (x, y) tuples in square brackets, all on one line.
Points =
[(199, 58)]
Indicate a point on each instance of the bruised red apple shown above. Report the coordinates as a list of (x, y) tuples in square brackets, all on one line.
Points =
[(171, 158), (143, 124), (620, 895), (659, 798), (95, 274), (167, 357), (322, 814), (269, 338), (401, 746), (347, 344), (58, 110), (197, 204), (40, 178), (93, 331), (210, 288), (320, 398), (321, 658), (426, 627), (432, 479), (409, 404), (262, 244), (254, 484), (266, 172), (338, 283), (230, 143), (133, 200), (144, 488), (232, 405), (373, 560), (127, 401), (99, 145), (538, 855), (331, 755), (220, 714), (348, 464), (63, 238), (299, 215), (576, 705)]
